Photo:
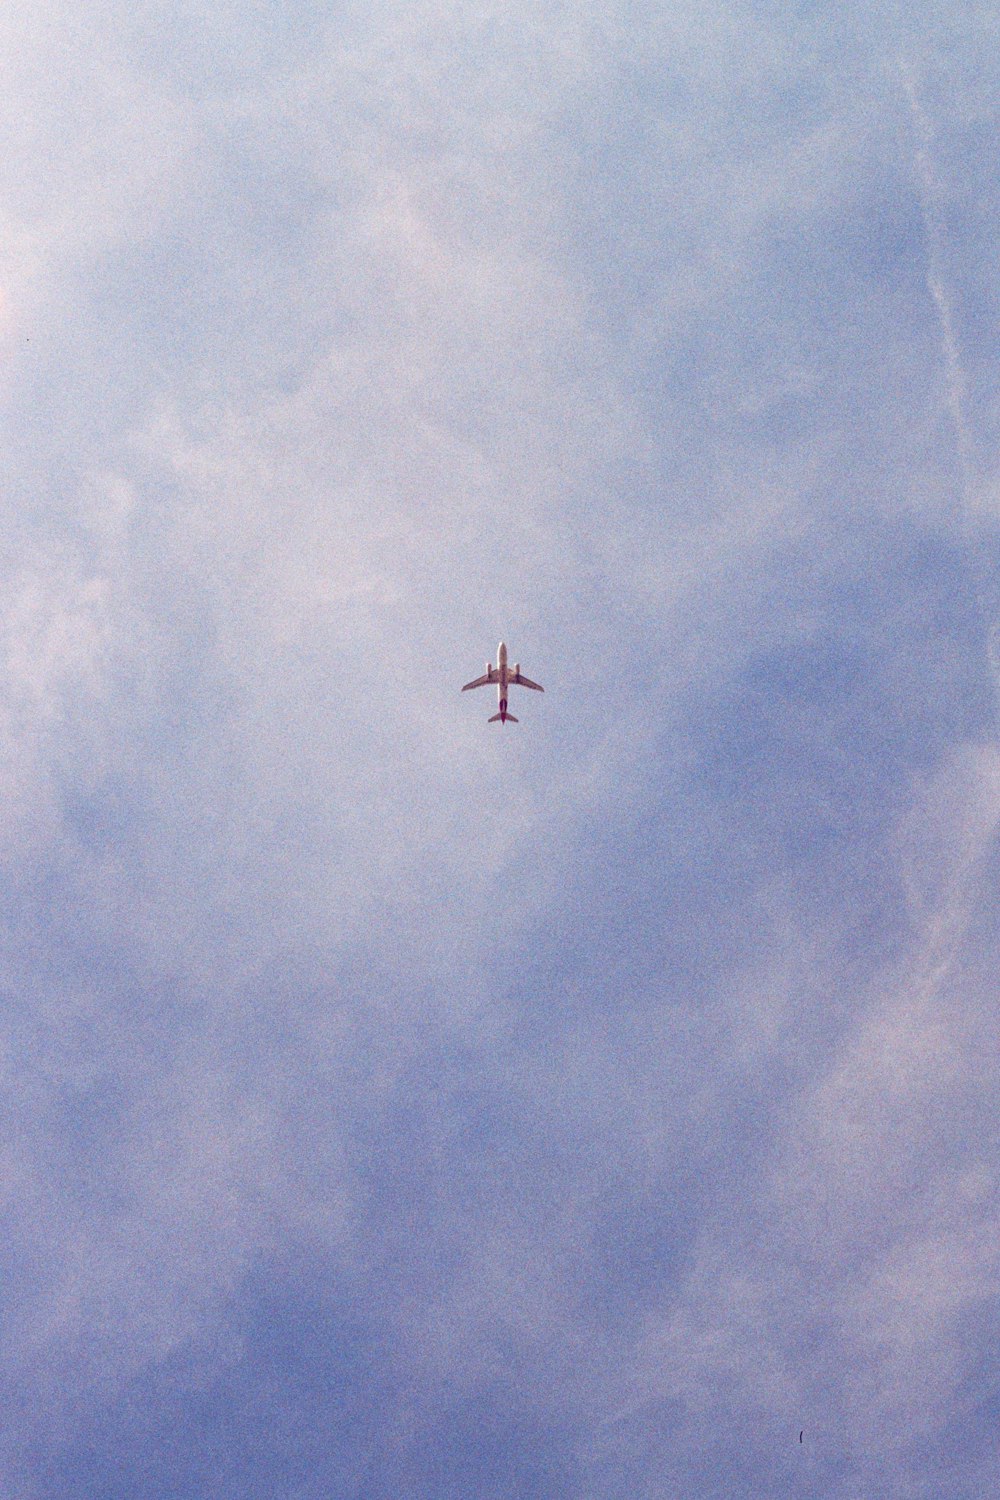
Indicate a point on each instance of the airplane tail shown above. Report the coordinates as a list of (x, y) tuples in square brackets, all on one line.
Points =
[(500, 717)]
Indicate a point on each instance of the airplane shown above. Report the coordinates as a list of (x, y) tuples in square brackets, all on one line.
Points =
[(503, 676)]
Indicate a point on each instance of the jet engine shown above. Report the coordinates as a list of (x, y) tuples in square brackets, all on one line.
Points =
[(517, 669)]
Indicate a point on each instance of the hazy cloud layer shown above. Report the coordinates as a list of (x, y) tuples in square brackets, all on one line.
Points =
[(396, 1105)]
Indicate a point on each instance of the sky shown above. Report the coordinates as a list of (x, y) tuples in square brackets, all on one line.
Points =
[(395, 1104)]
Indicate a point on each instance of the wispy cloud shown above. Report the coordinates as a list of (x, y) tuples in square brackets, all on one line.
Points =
[(393, 1104)]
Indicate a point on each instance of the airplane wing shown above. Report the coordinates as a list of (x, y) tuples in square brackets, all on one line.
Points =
[(492, 676), (523, 681)]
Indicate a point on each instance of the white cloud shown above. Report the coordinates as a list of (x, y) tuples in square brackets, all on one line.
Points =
[(364, 344)]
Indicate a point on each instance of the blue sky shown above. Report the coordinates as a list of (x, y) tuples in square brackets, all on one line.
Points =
[(395, 1105)]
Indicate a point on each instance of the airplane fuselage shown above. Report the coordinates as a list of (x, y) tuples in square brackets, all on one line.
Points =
[(502, 681)]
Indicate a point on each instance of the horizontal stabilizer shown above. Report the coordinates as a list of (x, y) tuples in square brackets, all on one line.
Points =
[(498, 718)]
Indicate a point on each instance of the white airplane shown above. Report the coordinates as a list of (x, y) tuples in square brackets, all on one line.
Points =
[(503, 676)]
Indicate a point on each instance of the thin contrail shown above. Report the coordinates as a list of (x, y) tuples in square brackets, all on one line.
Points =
[(929, 190), (930, 194)]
